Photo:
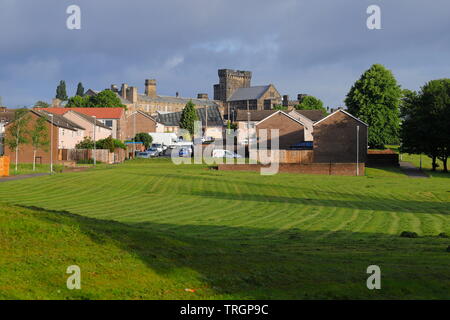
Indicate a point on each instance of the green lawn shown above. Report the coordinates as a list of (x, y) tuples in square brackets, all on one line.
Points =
[(148, 229), (27, 168)]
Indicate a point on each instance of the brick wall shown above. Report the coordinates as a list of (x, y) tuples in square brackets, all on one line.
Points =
[(143, 124), (291, 132), (339, 169)]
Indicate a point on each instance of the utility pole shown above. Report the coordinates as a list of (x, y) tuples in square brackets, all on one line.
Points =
[(206, 120), (51, 143), (134, 134), (95, 142), (357, 150)]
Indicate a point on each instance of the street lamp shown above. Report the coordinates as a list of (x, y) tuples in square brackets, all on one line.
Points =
[(357, 150), (95, 143), (51, 143)]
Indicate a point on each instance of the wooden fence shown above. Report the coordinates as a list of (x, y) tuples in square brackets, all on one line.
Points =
[(289, 156), (101, 155)]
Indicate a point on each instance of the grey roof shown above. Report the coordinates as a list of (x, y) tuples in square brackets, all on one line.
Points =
[(173, 118), (58, 120), (178, 100), (313, 115), (90, 119), (251, 93), (7, 116), (255, 115)]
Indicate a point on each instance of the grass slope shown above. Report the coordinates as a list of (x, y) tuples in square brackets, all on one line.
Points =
[(228, 235)]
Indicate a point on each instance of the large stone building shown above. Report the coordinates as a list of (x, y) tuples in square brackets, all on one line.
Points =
[(235, 91), (152, 103)]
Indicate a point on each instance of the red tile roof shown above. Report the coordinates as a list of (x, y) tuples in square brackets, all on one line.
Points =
[(100, 113)]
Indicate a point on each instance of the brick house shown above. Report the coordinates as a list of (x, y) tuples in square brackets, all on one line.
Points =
[(6, 116), (291, 130), (138, 122), (308, 118), (337, 139), (66, 135), (113, 118), (89, 123)]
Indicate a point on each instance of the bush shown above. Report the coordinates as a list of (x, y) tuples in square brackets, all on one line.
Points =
[(409, 234), (443, 235), (448, 249)]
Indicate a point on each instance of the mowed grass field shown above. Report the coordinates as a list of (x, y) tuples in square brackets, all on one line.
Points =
[(148, 229)]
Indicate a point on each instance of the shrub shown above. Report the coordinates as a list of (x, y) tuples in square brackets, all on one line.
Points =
[(409, 234), (88, 161), (443, 235), (448, 249)]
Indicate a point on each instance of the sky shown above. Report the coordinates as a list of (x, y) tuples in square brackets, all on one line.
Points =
[(317, 47)]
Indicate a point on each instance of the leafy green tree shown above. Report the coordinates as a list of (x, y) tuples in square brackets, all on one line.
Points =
[(375, 99), (145, 138), (188, 117), (426, 115), (87, 143), (17, 132), (79, 102), (311, 103), (39, 137), (80, 90), (61, 92), (110, 144), (106, 99), (41, 104)]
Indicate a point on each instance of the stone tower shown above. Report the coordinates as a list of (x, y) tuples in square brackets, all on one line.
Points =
[(229, 81)]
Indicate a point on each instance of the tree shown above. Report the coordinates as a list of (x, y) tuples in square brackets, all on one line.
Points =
[(425, 128), (279, 107), (79, 102), (61, 92), (145, 138), (375, 99), (87, 143), (110, 144), (311, 103), (41, 104), (80, 90), (188, 117), (16, 134), (105, 99), (39, 137)]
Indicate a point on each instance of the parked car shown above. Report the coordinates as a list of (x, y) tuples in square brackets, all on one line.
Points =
[(154, 152), (222, 153), (143, 155), (158, 147), (184, 152)]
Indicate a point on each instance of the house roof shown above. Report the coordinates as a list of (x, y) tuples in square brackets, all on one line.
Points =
[(89, 119), (177, 100), (173, 118), (343, 111), (58, 120), (99, 113), (280, 112), (7, 115), (145, 114), (313, 115), (251, 93), (255, 115)]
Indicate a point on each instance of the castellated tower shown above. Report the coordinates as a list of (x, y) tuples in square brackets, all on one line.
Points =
[(229, 81)]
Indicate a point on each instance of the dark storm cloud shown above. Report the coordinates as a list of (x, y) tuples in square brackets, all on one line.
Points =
[(318, 47)]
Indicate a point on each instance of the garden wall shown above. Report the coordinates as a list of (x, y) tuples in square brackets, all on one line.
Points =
[(339, 169), (102, 155), (382, 158)]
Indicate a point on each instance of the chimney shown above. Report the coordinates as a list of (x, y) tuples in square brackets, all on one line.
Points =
[(123, 91), (150, 88), (132, 94), (301, 96), (285, 100), (202, 96), (114, 88)]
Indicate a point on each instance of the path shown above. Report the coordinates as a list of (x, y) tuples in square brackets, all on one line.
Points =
[(24, 176), (412, 171)]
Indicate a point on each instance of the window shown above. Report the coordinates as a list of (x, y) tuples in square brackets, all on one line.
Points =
[(109, 123)]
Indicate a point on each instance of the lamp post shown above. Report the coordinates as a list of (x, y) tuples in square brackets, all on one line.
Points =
[(95, 143), (51, 143), (134, 134), (357, 150)]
